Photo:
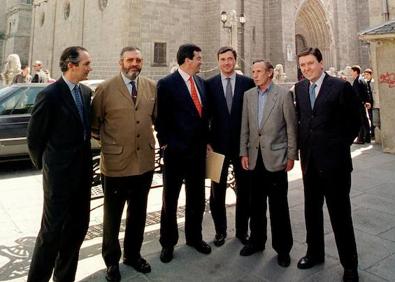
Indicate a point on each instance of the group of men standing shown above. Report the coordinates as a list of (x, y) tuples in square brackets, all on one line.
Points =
[(253, 122)]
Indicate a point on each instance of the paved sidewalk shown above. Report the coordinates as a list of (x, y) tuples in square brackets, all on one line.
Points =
[(373, 197)]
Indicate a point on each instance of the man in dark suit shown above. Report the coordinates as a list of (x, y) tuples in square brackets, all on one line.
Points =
[(361, 89), (182, 127), (59, 144), (329, 118), (123, 112), (225, 102)]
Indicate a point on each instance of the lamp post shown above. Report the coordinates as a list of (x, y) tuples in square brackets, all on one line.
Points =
[(229, 22)]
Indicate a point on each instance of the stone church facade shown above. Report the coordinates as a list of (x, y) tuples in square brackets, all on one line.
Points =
[(15, 28), (274, 30)]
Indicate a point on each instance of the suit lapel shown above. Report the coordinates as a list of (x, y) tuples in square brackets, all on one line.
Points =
[(304, 95), (324, 92), (124, 90), (185, 92), (68, 99), (221, 94), (271, 100)]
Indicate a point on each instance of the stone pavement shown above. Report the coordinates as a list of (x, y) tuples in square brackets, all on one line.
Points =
[(373, 196)]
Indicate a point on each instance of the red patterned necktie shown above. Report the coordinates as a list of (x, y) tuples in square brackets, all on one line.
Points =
[(195, 97)]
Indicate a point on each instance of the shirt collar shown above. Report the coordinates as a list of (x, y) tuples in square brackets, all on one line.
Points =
[(127, 80), (69, 83), (266, 90), (232, 76), (319, 81), (184, 75)]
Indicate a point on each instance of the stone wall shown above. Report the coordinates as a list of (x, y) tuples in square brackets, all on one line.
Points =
[(269, 32)]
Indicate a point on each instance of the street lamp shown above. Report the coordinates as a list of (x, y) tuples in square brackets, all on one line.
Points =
[(229, 21)]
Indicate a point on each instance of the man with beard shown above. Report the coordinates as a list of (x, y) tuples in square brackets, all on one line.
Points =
[(124, 109)]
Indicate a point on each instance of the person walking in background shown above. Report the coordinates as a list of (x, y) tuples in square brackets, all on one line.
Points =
[(328, 113), (268, 148), (39, 75), (225, 93), (360, 88), (59, 144), (182, 127), (24, 76), (123, 112), (370, 105)]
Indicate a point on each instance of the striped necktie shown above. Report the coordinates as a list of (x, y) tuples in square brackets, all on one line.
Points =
[(195, 97)]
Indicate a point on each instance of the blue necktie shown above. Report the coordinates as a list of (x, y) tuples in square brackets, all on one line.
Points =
[(78, 102), (312, 94), (80, 107)]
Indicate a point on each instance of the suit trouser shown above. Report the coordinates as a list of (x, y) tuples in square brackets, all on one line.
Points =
[(335, 188), (177, 168), (64, 223), (274, 187), (218, 195), (132, 190), (364, 131)]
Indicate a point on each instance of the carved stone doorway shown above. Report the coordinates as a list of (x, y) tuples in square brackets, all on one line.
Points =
[(312, 29)]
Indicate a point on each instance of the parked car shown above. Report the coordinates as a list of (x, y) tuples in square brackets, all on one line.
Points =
[(16, 105)]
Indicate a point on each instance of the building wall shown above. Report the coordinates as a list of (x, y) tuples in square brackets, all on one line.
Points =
[(376, 11), (269, 32)]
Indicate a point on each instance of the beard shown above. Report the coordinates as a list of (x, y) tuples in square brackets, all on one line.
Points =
[(131, 74)]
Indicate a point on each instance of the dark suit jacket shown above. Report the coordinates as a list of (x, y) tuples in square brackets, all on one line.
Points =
[(56, 137), (178, 123), (225, 127), (326, 132), (361, 89)]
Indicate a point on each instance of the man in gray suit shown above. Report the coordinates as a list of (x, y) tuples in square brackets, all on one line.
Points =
[(268, 148)]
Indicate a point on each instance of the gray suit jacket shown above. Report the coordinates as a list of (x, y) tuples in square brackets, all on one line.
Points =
[(276, 138)]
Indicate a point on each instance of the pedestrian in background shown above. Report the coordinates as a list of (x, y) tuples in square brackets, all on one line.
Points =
[(24, 76)]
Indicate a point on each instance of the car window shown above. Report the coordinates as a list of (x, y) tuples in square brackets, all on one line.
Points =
[(20, 101), (26, 102)]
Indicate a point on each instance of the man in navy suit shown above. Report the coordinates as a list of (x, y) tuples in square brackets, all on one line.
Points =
[(329, 118), (59, 144), (182, 127), (225, 93)]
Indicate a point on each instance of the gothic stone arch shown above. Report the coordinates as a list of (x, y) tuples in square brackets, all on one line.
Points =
[(312, 26)]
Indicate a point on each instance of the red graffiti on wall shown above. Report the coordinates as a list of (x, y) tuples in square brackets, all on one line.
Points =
[(388, 78)]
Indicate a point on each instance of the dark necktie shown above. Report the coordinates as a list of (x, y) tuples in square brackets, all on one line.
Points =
[(312, 94), (80, 107), (134, 91), (228, 94)]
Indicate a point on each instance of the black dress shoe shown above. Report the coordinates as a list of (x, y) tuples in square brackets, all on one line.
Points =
[(250, 249), (284, 260), (308, 262), (219, 239), (113, 274), (350, 275), (243, 238), (166, 255), (140, 265), (201, 247)]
